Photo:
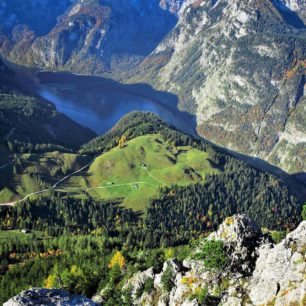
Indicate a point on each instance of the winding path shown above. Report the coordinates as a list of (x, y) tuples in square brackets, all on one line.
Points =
[(11, 204), (44, 190), (154, 177), (120, 185)]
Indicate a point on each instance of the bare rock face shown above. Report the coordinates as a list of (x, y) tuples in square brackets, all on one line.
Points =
[(259, 273), (39, 296), (242, 237), (279, 275), (88, 37), (240, 67)]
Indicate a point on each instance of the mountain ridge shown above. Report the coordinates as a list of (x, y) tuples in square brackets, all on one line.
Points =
[(239, 66)]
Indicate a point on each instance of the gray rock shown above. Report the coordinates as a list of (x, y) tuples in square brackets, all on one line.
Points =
[(241, 237), (138, 280), (49, 297), (280, 271)]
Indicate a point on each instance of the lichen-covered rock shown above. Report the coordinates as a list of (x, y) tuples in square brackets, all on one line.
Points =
[(138, 281), (258, 273), (50, 297), (279, 276), (241, 236)]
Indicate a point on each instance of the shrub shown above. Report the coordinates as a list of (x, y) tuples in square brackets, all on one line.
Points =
[(304, 212), (148, 285), (213, 255), (166, 279), (200, 295)]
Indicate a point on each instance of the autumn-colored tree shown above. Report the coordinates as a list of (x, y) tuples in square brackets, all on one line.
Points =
[(122, 141), (50, 281), (117, 259), (169, 253)]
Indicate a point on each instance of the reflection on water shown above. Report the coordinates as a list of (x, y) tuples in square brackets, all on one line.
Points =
[(98, 103)]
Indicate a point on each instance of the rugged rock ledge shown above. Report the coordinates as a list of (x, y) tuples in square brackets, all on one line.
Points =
[(50, 297), (257, 273)]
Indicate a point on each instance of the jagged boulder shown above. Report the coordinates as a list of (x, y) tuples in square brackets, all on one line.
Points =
[(50, 297), (137, 282), (280, 271), (242, 237)]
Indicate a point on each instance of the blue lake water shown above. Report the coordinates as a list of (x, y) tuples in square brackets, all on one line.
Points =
[(98, 103)]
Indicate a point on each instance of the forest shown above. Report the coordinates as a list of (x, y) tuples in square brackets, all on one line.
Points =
[(83, 244)]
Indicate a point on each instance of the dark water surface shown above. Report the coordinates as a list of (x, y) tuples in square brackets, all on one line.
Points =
[(99, 103)]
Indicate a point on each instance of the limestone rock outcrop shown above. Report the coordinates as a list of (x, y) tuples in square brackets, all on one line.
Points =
[(50, 297)]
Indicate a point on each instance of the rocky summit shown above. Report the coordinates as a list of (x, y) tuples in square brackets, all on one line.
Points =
[(50, 297), (257, 271), (236, 265)]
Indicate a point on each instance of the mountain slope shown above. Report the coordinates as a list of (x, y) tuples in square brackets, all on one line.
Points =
[(240, 67), (28, 121), (147, 165), (90, 36)]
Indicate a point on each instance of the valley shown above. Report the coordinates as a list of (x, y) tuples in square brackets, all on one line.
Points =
[(152, 152), (99, 103)]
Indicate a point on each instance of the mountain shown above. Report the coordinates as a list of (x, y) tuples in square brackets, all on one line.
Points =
[(239, 66), (27, 121), (236, 265), (88, 36)]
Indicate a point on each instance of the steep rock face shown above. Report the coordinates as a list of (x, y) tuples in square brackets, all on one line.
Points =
[(241, 237), (240, 66), (272, 273), (87, 36), (280, 271), (51, 297)]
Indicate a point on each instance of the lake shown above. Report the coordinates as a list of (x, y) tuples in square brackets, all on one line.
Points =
[(98, 103)]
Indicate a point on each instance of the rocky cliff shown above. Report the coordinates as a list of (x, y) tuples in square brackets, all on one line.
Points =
[(85, 36), (236, 265), (240, 67), (38, 296), (256, 271)]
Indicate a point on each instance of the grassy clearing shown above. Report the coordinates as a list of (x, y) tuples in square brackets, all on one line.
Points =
[(34, 172), (145, 164), (6, 195), (134, 173), (17, 234)]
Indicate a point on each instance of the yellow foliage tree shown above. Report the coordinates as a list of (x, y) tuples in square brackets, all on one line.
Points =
[(122, 141), (117, 259), (169, 253), (50, 281)]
